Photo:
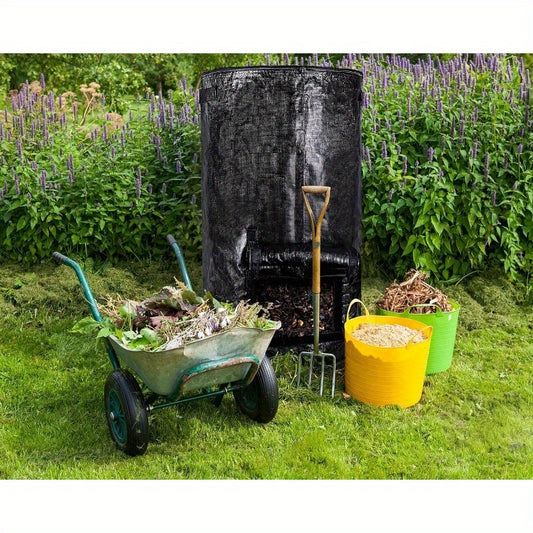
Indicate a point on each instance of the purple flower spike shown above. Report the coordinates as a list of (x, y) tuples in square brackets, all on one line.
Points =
[(494, 198), (384, 154), (391, 193), (487, 157), (42, 180), (164, 188), (520, 148), (43, 84)]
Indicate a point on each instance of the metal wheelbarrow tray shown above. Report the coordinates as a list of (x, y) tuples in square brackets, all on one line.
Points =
[(231, 361), (228, 357)]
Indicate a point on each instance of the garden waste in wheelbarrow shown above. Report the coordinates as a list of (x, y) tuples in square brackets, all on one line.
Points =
[(230, 361)]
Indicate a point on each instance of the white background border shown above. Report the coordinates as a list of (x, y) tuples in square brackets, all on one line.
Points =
[(208, 26)]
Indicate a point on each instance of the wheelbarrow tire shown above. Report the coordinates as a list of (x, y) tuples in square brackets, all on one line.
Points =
[(259, 400), (126, 414)]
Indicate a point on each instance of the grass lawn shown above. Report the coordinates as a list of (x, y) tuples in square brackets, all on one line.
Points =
[(474, 421)]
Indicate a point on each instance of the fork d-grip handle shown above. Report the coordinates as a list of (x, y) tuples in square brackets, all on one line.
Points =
[(315, 228)]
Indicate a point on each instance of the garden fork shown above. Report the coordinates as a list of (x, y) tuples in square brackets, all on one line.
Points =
[(315, 230)]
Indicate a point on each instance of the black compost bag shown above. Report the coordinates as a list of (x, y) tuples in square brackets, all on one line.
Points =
[(266, 131)]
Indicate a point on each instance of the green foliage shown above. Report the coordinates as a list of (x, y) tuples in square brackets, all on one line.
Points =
[(120, 76), (6, 65), (79, 179), (447, 157), (448, 165)]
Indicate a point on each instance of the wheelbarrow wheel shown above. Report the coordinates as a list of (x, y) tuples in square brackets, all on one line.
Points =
[(259, 400), (127, 418)]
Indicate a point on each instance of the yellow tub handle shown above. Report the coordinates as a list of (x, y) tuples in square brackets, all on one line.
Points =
[(416, 335), (354, 301)]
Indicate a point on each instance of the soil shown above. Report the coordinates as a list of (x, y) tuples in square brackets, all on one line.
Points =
[(386, 335), (293, 307)]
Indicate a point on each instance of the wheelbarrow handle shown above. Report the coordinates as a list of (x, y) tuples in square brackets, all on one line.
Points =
[(315, 228), (181, 260), (90, 299), (83, 282)]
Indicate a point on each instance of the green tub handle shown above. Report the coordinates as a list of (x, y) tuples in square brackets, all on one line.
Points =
[(407, 312)]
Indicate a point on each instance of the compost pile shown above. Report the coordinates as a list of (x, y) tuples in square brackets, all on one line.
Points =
[(172, 318), (414, 290), (387, 335), (293, 307)]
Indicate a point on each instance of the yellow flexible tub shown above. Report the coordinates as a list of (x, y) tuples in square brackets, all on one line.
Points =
[(385, 376)]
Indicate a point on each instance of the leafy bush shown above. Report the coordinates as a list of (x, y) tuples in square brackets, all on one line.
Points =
[(447, 164), (78, 179), (447, 167)]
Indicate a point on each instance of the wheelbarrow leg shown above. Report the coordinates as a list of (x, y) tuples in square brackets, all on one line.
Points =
[(217, 400)]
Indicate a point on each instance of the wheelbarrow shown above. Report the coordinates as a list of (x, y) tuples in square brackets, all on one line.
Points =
[(231, 361)]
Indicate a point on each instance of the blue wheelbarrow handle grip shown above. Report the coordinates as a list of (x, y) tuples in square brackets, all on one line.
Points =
[(60, 257)]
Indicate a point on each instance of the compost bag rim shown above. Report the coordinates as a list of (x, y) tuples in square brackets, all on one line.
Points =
[(350, 71)]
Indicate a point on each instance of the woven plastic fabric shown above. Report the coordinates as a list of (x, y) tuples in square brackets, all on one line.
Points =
[(266, 132)]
